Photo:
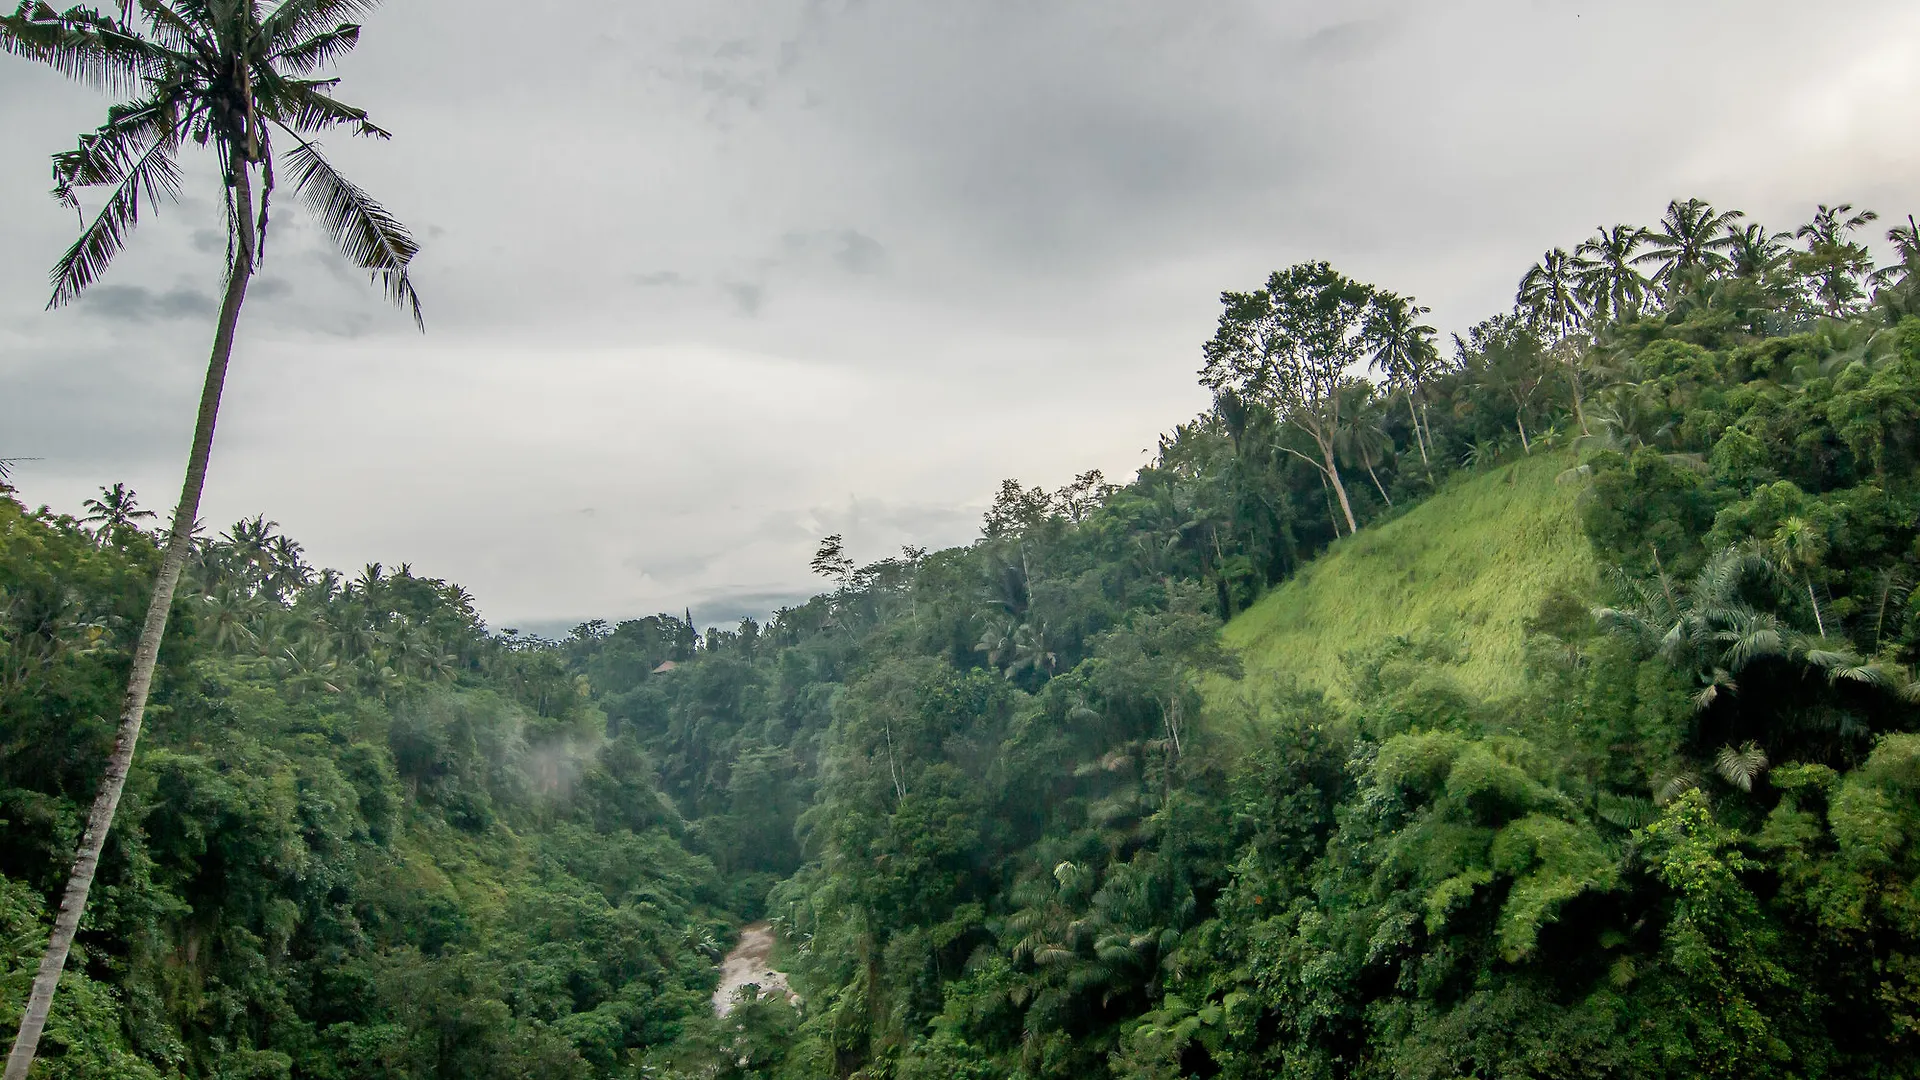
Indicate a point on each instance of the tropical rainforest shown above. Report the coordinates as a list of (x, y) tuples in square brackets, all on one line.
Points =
[(1539, 706)]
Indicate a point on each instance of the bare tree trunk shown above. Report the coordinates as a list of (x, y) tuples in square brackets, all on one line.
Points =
[(1340, 489), (1573, 380), (146, 653), (1815, 601), (1376, 482), (1418, 438), (1573, 370), (1326, 492)]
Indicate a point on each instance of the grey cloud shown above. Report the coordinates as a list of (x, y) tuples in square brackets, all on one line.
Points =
[(748, 296), (858, 253), (1348, 40), (725, 608), (138, 304), (945, 199), (662, 278), (673, 567), (848, 249)]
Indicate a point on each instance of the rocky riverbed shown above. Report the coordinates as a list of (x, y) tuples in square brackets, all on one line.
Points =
[(750, 962)]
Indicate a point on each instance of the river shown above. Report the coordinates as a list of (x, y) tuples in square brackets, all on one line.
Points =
[(750, 962)]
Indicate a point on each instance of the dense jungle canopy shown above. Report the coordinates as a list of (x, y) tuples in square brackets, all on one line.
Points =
[(1563, 725)]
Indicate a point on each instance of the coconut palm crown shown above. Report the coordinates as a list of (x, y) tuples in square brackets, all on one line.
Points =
[(230, 76)]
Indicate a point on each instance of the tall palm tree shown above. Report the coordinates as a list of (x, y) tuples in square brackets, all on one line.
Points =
[(1753, 252), (1691, 235), (1550, 295), (1403, 350), (232, 75), (1610, 285), (1906, 245), (1833, 263), (114, 510), (1895, 284)]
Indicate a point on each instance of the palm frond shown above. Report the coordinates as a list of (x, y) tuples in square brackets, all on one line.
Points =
[(1741, 767), (1673, 787), (82, 45), (304, 106), (301, 20), (1875, 675), (367, 234), (1625, 811), (319, 50), (1830, 660), (153, 173), (1746, 645)]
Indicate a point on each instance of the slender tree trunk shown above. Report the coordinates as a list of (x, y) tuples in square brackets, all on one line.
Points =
[(1340, 489), (1418, 439), (146, 653), (1815, 601), (1520, 422), (1376, 482), (1573, 381), (1326, 492)]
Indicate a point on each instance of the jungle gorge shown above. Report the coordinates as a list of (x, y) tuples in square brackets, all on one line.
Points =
[(1539, 704)]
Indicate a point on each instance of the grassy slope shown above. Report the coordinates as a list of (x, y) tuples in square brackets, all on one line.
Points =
[(1469, 565)]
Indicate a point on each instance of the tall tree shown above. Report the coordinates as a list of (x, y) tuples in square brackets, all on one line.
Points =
[(1403, 351), (1691, 235), (1896, 284), (1363, 440), (1289, 346), (1550, 295), (1753, 252), (1505, 355), (231, 76), (1609, 283), (117, 508), (1834, 264)]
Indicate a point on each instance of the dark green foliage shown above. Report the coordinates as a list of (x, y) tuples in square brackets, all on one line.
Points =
[(994, 799)]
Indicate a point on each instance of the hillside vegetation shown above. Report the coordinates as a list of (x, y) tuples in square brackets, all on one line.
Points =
[(1488, 775), (1463, 573)]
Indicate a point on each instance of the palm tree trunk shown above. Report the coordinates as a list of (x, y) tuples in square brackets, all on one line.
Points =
[(1340, 489), (1815, 601), (1573, 381), (1418, 439), (146, 653)]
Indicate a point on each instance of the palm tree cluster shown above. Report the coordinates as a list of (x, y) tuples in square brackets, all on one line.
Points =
[(1623, 270)]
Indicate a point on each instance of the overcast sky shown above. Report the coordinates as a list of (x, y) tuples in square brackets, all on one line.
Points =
[(709, 279)]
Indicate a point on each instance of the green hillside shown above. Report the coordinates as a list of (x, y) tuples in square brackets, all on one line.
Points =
[(1466, 568)]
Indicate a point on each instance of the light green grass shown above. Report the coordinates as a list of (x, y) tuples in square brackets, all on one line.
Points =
[(1470, 565)]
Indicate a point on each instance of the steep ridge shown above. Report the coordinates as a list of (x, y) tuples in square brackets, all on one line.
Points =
[(1463, 572)]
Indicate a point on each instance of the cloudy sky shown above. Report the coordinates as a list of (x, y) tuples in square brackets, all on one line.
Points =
[(709, 279)]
